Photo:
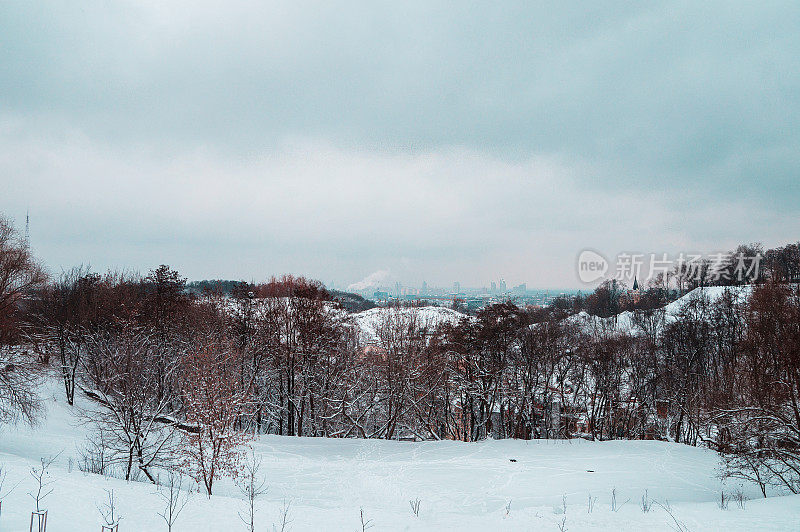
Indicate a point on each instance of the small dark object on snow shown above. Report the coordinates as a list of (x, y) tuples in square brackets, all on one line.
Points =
[(512, 459), (590, 470)]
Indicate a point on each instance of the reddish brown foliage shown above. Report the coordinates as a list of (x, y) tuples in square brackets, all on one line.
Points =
[(290, 286), (214, 397)]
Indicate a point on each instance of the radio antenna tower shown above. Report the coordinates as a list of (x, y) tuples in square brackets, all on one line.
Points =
[(27, 230)]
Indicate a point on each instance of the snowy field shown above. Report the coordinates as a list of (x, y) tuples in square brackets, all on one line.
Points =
[(461, 486)]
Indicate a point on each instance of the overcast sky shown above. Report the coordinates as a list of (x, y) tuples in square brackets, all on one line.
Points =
[(405, 140)]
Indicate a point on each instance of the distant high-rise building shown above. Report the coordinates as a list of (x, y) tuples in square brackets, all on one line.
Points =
[(380, 295), (503, 286), (494, 287), (457, 287), (424, 288), (397, 288)]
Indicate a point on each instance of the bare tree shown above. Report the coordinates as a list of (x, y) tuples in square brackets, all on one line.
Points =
[(20, 274), (761, 419), (173, 498), (108, 511), (284, 517), (401, 364), (366, 524), (41, 475), (252, 485), (20, 376), (3, 491), (131, 412)]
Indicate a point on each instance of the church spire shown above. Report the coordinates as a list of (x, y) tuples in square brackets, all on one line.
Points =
[(635, 283)]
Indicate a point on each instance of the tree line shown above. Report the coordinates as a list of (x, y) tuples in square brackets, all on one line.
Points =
[(180, 378)]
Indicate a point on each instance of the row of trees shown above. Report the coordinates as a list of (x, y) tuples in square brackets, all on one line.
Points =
[(748, 264), (182, 380)]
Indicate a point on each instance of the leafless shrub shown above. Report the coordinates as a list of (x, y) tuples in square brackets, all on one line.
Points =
[(20, 377), (108, 511), (284, 517), (740, 498), (647, 503), (92, 457), (366, 524), (41, 475), (615, 506), (677, 525), (173, 499), (4, 494), (748, 467), (252, 485), (414, 503), (723, 501)]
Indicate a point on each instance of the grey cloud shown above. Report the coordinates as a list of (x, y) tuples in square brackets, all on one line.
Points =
[(440, 132)]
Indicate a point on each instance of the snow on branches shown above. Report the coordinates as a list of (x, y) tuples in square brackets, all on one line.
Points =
[(214, 397)]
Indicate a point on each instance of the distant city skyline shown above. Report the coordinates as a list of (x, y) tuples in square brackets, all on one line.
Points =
[(455, 288)]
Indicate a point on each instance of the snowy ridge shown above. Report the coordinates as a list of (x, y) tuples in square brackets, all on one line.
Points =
[(431, 316), (625, 322)]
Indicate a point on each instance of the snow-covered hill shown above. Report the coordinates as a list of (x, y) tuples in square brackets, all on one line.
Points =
[(625, 322), (490, 485), (368, 321)]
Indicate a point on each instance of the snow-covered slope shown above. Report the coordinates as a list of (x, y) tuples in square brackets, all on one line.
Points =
[(625, 323), (461, 486), (368, 321)]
